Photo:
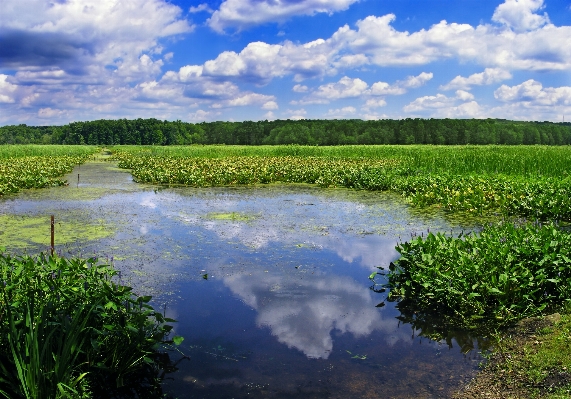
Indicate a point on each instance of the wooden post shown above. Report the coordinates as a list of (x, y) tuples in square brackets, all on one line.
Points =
[(52, 242)]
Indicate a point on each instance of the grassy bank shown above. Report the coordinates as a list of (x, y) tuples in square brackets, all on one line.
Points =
[(530, 360)]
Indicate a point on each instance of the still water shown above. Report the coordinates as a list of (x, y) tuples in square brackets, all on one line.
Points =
[(269, 284)]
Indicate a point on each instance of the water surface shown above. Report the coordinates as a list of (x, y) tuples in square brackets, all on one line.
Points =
[(269, 283)]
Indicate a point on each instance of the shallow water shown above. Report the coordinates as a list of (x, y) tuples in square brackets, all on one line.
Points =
[(269, 284)]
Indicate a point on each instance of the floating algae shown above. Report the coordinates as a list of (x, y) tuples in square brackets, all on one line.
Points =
[(233, 216), (24, 231)]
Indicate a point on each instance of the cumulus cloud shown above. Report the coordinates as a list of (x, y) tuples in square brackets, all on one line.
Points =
[(300, 88), (341, 113), (375, 103), (245, 99), (439, 101), (7, 90), (200, 8), (344, 88), (469, 109), (377, 42), (77, 33), (352, 88), (520, 15), (489, 76), (383, 45), (261, 62), (296, 114), (49, 113), (270, 105), (532, 93), (412, 82), (106, 56), (241, 14)]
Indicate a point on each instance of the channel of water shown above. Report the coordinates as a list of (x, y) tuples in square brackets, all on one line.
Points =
[(269, 284)]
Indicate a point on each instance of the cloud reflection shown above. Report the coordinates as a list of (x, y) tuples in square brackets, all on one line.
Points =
[(302, 311)]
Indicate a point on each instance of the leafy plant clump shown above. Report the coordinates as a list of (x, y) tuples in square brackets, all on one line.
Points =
[(68, 330), (505, 273)]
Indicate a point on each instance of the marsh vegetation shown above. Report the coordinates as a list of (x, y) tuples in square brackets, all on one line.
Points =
[(512, 261)]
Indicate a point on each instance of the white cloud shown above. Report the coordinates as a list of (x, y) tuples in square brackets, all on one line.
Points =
[(489, 76), (413, 82), (269, 116), (464, 95), (245, 99), (344, 88), (48, 113), (341, 113), (241, 14), (270, 105), (7, 90), (532, 93), (386, 89), (545, 48), (469, 109), (351, 88), (520, 15), (300, 88), (296, 114), (77, 34), (422, 103), (377, 42), (401, 86), (201, 8), (375, 103), (202, 116), (439, 101)]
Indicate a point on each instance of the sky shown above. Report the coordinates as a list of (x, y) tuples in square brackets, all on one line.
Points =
[(234, 60)]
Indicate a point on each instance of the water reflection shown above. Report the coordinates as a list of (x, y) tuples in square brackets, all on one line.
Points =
[(432, 326), (287, 303), (303, 311)]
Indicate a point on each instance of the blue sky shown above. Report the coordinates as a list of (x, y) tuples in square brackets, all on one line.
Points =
[(73, 60)]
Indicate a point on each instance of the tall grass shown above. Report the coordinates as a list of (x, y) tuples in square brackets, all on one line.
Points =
[(492, 159), (68, 330), (34, 150)]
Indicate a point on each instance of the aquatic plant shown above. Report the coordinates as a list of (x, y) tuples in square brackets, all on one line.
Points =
[(68, 330), (35, 172), (506, 272), (525, 181)]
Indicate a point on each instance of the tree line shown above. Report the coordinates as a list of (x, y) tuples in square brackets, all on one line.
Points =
[(303, 132)]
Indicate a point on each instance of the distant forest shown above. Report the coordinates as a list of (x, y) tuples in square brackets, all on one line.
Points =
[(304, 132)]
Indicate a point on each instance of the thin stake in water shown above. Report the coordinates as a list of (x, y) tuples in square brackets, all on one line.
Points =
[(52, 235)]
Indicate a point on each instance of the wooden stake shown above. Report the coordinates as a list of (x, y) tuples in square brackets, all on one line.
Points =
[(53, 228)]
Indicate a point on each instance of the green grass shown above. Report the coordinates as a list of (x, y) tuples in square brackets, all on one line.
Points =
[(35, 150)]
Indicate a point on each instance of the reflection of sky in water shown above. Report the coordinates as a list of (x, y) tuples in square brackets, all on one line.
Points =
[(289, 276), (302, 312)]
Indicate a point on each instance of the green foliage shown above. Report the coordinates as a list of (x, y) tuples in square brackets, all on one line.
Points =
[(504, 273), (319, 132), (24, 167), (526, 181), (68, 330)]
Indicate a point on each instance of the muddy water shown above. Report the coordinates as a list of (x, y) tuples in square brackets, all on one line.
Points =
[(269, 283)]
